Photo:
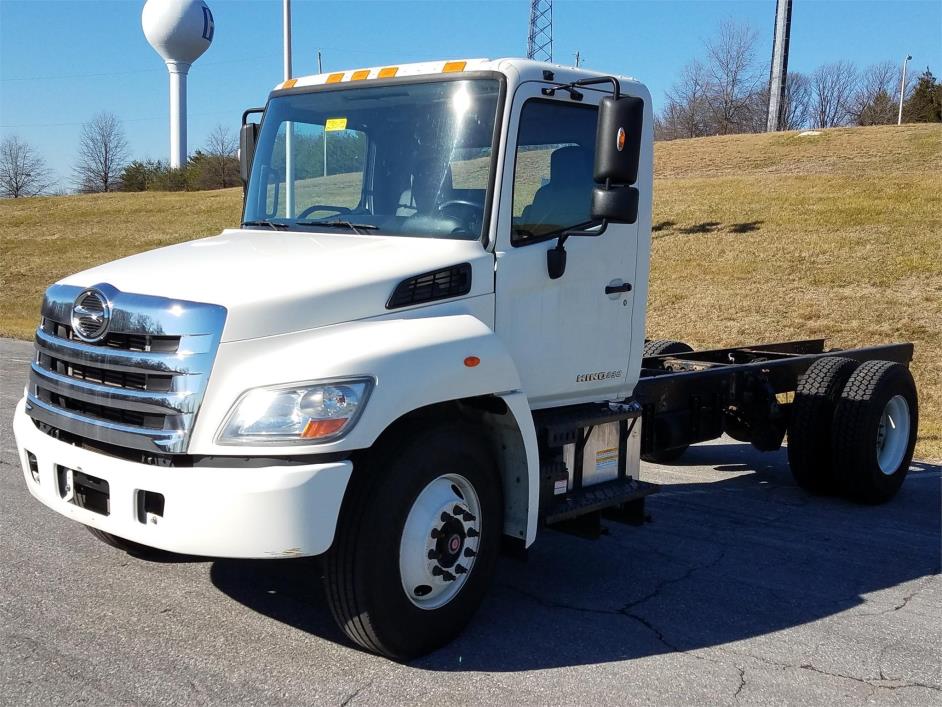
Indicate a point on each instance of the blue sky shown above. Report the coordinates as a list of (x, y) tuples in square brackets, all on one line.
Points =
[(60, 62)]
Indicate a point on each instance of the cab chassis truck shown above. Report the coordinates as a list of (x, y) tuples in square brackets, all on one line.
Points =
[(424, 343)]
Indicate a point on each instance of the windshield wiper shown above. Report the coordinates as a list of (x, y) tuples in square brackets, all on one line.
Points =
[(355, 227), (274, 225)]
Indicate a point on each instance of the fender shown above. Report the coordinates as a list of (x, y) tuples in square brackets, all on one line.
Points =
[(414, 362)]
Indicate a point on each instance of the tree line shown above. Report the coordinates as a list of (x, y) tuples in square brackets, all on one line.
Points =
[(103, 164), (726, 91)]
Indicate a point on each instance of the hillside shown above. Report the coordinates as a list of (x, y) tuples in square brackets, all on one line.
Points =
[(757, 238)]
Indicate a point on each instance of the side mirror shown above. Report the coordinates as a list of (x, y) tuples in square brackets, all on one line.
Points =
[(617, 154), (247, 137)]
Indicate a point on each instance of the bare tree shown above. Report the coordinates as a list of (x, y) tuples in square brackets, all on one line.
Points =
[(874, 102), (734, 77), (797, 107), (220, 167), (22, 171), (687, 112), (832, 91), (103, 151)]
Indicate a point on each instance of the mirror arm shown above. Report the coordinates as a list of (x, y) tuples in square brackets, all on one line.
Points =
[(250, 111), (616, 87)]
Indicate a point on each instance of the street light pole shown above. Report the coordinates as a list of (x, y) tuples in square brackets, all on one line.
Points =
[(902, 90), (289, 127)]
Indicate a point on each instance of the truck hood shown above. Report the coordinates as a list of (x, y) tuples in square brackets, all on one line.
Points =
[(273, 282)]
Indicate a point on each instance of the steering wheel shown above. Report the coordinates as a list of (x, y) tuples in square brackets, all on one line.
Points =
[(323, 207), (477, 210)]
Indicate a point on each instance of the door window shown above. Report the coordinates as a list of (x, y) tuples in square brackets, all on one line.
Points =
[(553, 171)]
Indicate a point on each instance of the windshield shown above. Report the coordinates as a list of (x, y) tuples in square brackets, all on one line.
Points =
[(401, 159)]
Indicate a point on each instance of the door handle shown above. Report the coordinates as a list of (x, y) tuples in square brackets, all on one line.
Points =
[(616, 286)]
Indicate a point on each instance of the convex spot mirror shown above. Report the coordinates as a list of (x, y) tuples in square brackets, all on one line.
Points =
[(617, 154)]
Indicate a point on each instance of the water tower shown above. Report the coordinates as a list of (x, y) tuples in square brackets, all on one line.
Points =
[(180, 31)]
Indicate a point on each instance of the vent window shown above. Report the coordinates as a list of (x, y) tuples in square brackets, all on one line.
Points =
[(431, 286)]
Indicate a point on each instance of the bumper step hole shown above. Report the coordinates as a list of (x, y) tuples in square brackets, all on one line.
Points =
[(33, 465), (149, 504)]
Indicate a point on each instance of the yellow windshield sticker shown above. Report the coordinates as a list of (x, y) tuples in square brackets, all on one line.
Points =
[(335, 124)]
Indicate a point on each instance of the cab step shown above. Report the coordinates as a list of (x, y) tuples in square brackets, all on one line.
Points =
[(609, 494)]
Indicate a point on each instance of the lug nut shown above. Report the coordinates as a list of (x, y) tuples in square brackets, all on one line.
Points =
[(444, 574), (472, 533), (435, 533), (468, 552), (433, 554), (446, 517), (468, 517), (460, 569)]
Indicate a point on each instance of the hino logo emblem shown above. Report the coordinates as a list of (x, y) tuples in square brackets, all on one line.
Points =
[(91, 315), (600, 376)]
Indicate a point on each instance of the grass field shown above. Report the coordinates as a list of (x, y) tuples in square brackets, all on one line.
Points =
[(757, 238)]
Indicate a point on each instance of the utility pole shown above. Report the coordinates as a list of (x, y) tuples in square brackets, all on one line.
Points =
[(778, 74), (320, 70), (902, 90), (540, 35), (289, 127), (578, 57)]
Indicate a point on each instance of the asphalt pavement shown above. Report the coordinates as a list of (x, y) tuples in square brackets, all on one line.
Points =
[(740, 589)]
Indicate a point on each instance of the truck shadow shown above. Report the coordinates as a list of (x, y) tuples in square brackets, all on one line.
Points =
[(741, 554)]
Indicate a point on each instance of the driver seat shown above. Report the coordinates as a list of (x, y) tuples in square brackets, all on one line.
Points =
[(566, 200), (413, 199)]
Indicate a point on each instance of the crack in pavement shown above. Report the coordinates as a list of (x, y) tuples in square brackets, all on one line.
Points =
[(349, 698)]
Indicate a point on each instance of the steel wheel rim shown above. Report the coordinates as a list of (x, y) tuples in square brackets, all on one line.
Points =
[(893, 434), (440, 541)]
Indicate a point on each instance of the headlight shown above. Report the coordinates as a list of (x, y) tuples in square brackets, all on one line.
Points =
[(296, 413)]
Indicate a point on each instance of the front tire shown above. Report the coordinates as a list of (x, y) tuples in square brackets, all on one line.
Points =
[(128, 546), (417, 541)]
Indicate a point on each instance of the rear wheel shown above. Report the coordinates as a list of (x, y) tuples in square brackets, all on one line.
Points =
[(810, 423), (874, 435), (664, 347), (417, 542)]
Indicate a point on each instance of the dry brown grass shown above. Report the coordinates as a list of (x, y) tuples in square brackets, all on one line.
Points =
[(762, 238), (758, 238)]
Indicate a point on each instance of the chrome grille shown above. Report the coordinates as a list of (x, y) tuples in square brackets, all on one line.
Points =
[(141, 385)]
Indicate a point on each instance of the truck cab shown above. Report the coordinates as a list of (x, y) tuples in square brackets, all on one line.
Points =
[(397, 362)]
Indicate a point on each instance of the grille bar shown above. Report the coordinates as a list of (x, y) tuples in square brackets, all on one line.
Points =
[(124, 398)]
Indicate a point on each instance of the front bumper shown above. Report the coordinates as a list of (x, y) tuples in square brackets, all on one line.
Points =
[(276, 511)]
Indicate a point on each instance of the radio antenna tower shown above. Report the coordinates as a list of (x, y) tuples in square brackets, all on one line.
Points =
[(540, 37), (778, 74)]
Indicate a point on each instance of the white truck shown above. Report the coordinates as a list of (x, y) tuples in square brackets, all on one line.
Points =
[(425, 342)]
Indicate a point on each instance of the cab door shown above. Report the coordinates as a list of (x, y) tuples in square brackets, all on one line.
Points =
[(570, 336)]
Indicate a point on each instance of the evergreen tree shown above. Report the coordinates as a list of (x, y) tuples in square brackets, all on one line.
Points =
[(924, 105)]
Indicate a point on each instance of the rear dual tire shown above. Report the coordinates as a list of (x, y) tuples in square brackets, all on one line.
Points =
[(853, 428)]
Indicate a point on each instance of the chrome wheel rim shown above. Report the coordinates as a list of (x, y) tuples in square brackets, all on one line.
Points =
[(440, 541), (893, 434)]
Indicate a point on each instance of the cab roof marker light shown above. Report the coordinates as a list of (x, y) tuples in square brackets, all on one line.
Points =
[(451, 66), (289, 83), (335, 78), (360, 75), (388, 72)]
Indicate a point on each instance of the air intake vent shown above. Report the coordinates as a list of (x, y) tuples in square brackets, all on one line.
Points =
[(428, 287)]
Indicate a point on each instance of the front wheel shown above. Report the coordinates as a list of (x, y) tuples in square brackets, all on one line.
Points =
[(417, 542)]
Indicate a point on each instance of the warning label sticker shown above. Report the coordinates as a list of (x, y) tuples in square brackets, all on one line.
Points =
[(606, 461), (335, 124)]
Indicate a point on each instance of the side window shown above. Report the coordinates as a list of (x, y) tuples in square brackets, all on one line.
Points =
[(553, 171)]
